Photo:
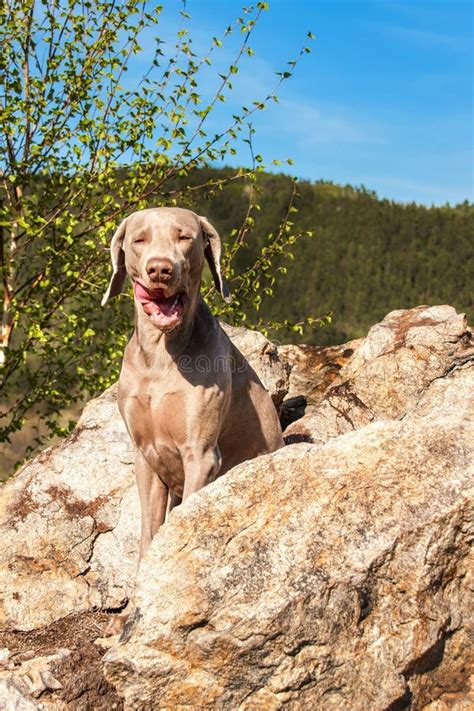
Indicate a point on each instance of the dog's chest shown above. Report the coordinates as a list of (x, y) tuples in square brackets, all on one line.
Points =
[(156, 420), (169, 413), (155, 414)]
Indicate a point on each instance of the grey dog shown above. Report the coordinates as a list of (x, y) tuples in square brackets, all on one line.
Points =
[(191, 402)]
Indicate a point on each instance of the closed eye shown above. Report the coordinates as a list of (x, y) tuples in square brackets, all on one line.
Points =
[(138, 241), (182, 238)]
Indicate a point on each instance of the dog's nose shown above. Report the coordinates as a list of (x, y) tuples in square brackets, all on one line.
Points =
[(159, 270)]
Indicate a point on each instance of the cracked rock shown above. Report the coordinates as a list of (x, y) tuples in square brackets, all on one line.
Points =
[(30, 680), (380, 377), (335, 576)]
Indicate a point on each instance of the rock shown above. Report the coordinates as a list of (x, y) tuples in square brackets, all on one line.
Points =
[(314, 368), (264, 357), (70, 524), (60, 665), (386, 373), (453, 702), (333, 576), (33, 677), (70, 519), (5, 660), (13, 699)]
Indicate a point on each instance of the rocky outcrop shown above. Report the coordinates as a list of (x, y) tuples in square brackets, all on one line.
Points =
[(314, 368), (70, 518), (386, 373), (70, 527), (332, 574)]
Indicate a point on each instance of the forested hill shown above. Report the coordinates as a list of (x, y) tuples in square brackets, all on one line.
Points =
[(368, 256)]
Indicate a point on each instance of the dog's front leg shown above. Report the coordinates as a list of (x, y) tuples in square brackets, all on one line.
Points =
[(200, 467), (153, 499)]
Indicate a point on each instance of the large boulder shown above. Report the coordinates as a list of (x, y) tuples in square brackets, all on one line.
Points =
[(70, 524), (328, 577), (70, 519), (381, 376)]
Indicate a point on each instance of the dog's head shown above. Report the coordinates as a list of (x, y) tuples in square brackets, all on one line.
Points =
[(163, 251)]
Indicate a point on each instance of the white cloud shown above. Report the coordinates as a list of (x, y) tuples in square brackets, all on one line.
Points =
[(406, 190), (421, 37), (322, 124)]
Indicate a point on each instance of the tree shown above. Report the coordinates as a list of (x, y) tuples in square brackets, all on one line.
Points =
[(81, 149)]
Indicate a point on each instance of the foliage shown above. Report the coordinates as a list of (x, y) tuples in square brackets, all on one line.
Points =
[(82, 148)]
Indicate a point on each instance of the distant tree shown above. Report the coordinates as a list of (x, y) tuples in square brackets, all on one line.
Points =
[(81, 148)]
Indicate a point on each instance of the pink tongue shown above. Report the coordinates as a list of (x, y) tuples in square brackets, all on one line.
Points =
[(162, 313), (142, 294)]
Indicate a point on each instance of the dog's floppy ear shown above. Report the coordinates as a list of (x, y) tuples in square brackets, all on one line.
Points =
[(212, 251), (118, 264)]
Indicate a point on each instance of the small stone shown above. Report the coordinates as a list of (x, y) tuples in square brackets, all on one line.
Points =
[(34, 677), (106, 642), (50, 682), (5, 657)]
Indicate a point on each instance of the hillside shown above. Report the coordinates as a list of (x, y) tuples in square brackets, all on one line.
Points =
[(368, 256)]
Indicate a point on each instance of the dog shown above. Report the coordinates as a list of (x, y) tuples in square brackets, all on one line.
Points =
[(192, 404)]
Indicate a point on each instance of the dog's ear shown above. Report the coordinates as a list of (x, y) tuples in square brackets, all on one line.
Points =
[(212, 252), (117, 256)]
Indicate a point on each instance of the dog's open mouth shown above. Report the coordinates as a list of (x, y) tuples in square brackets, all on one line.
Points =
[(165, 312)]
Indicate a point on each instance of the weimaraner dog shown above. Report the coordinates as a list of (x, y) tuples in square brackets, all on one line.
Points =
[(192, 404)]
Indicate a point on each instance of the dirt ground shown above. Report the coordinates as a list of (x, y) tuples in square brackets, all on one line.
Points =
[(84, 687)]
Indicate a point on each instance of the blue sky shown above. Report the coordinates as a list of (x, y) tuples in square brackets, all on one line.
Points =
[(384, 99)]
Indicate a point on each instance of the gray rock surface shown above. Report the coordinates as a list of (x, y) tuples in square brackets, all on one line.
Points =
[(12, 698), (328, 577), (387, 372)]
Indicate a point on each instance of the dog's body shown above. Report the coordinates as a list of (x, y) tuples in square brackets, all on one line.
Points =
[(192, 404)]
